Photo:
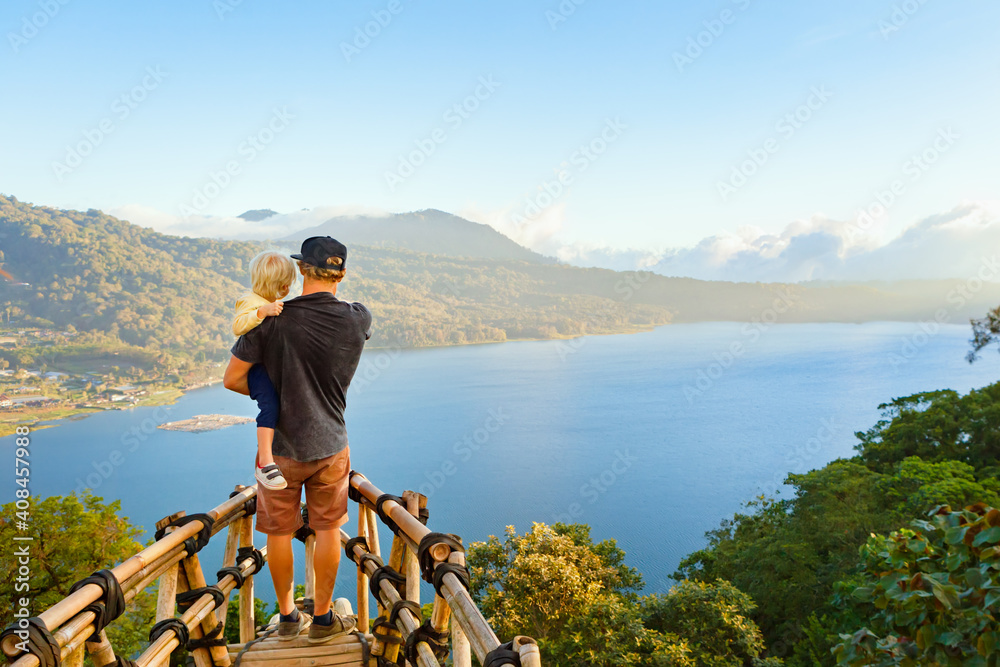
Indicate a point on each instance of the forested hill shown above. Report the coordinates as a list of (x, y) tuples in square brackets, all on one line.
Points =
[(115, 281), (430, 231)]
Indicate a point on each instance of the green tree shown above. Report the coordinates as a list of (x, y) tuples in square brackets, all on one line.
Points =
[(581, 602), (985, 331), (714, 619), (71, 537), (532, 584), (931, 591), (797, 557)]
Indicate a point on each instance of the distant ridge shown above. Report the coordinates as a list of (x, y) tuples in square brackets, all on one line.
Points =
[(431, 231), (258, 214)]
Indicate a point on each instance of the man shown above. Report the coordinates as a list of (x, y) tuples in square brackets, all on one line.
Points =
[(310, 352)]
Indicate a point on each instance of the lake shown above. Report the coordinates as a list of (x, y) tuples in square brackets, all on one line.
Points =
[(650, 438)]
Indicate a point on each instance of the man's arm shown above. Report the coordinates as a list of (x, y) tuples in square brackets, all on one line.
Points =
[(235, 378)]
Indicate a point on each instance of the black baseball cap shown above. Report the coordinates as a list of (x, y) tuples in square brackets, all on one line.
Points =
[(316, 250)]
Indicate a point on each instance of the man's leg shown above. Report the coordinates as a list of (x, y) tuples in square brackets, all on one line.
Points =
[(326, 498), (326, 560), (281, 565)]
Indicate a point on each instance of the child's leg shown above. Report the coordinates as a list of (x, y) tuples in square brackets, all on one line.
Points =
[(265, 438), (262, 391)]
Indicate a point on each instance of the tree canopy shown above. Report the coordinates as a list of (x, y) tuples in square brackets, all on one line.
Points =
[(71, 537)]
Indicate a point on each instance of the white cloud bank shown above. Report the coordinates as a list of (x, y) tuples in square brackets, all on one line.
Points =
[(947, 245), (224, 227)]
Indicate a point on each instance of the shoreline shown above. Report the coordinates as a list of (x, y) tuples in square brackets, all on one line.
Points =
[(50, 418), (37, 420), (43, 418)]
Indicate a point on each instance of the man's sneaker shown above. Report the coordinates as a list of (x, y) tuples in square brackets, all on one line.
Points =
[(341, 625), (270, 477), (289, 630)]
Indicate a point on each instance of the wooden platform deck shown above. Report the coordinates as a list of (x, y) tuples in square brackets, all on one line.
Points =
[(346, 650)]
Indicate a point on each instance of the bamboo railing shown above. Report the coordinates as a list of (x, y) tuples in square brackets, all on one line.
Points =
[(72, 627)]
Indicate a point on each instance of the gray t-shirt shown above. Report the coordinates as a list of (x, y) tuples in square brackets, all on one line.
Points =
[(310, 353)]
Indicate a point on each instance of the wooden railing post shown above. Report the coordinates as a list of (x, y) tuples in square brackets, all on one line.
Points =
[(527, 648), (75, 659), (363, 617), (228, 560), (202, 658), (461, 650), (102, 654), (411, 568), (191, 569), (247, 621)]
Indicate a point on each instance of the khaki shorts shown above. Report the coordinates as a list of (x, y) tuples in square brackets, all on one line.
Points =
[(325, 481)]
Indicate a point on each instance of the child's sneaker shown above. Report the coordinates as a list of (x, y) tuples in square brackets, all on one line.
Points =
[(270, 477)]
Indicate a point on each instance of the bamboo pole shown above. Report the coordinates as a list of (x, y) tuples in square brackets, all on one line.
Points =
[(202, 658), (396, 555), (480, 634), (56, 615), (247, 626), (373, 543), (102, 654), (75, 658), (527, 648), (166, 597), (228, 560), (407, 621), (363, 618), (217, 655), (166, 643), (411, 568), (461, 651)]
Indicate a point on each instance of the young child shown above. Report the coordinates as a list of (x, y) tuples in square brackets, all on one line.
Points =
[(272, 275)]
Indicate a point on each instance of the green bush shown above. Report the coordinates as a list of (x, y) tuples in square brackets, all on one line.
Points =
[(932, 592)]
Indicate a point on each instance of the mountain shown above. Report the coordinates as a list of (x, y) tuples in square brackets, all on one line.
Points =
[(257, 215), (111, 283), (430, 231)]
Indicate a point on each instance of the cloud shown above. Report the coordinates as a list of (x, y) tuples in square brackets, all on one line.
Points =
[(227, 227), (535, 230), (946, 245)]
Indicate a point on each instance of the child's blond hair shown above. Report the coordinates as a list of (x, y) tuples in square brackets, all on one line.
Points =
[(271, 272)]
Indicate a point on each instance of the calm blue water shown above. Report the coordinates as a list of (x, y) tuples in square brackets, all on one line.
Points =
[(650, 438)]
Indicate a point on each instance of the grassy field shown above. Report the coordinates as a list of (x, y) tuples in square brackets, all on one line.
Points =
[(32, 417)]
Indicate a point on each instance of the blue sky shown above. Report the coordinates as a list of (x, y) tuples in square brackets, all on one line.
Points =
[(226, 67)]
